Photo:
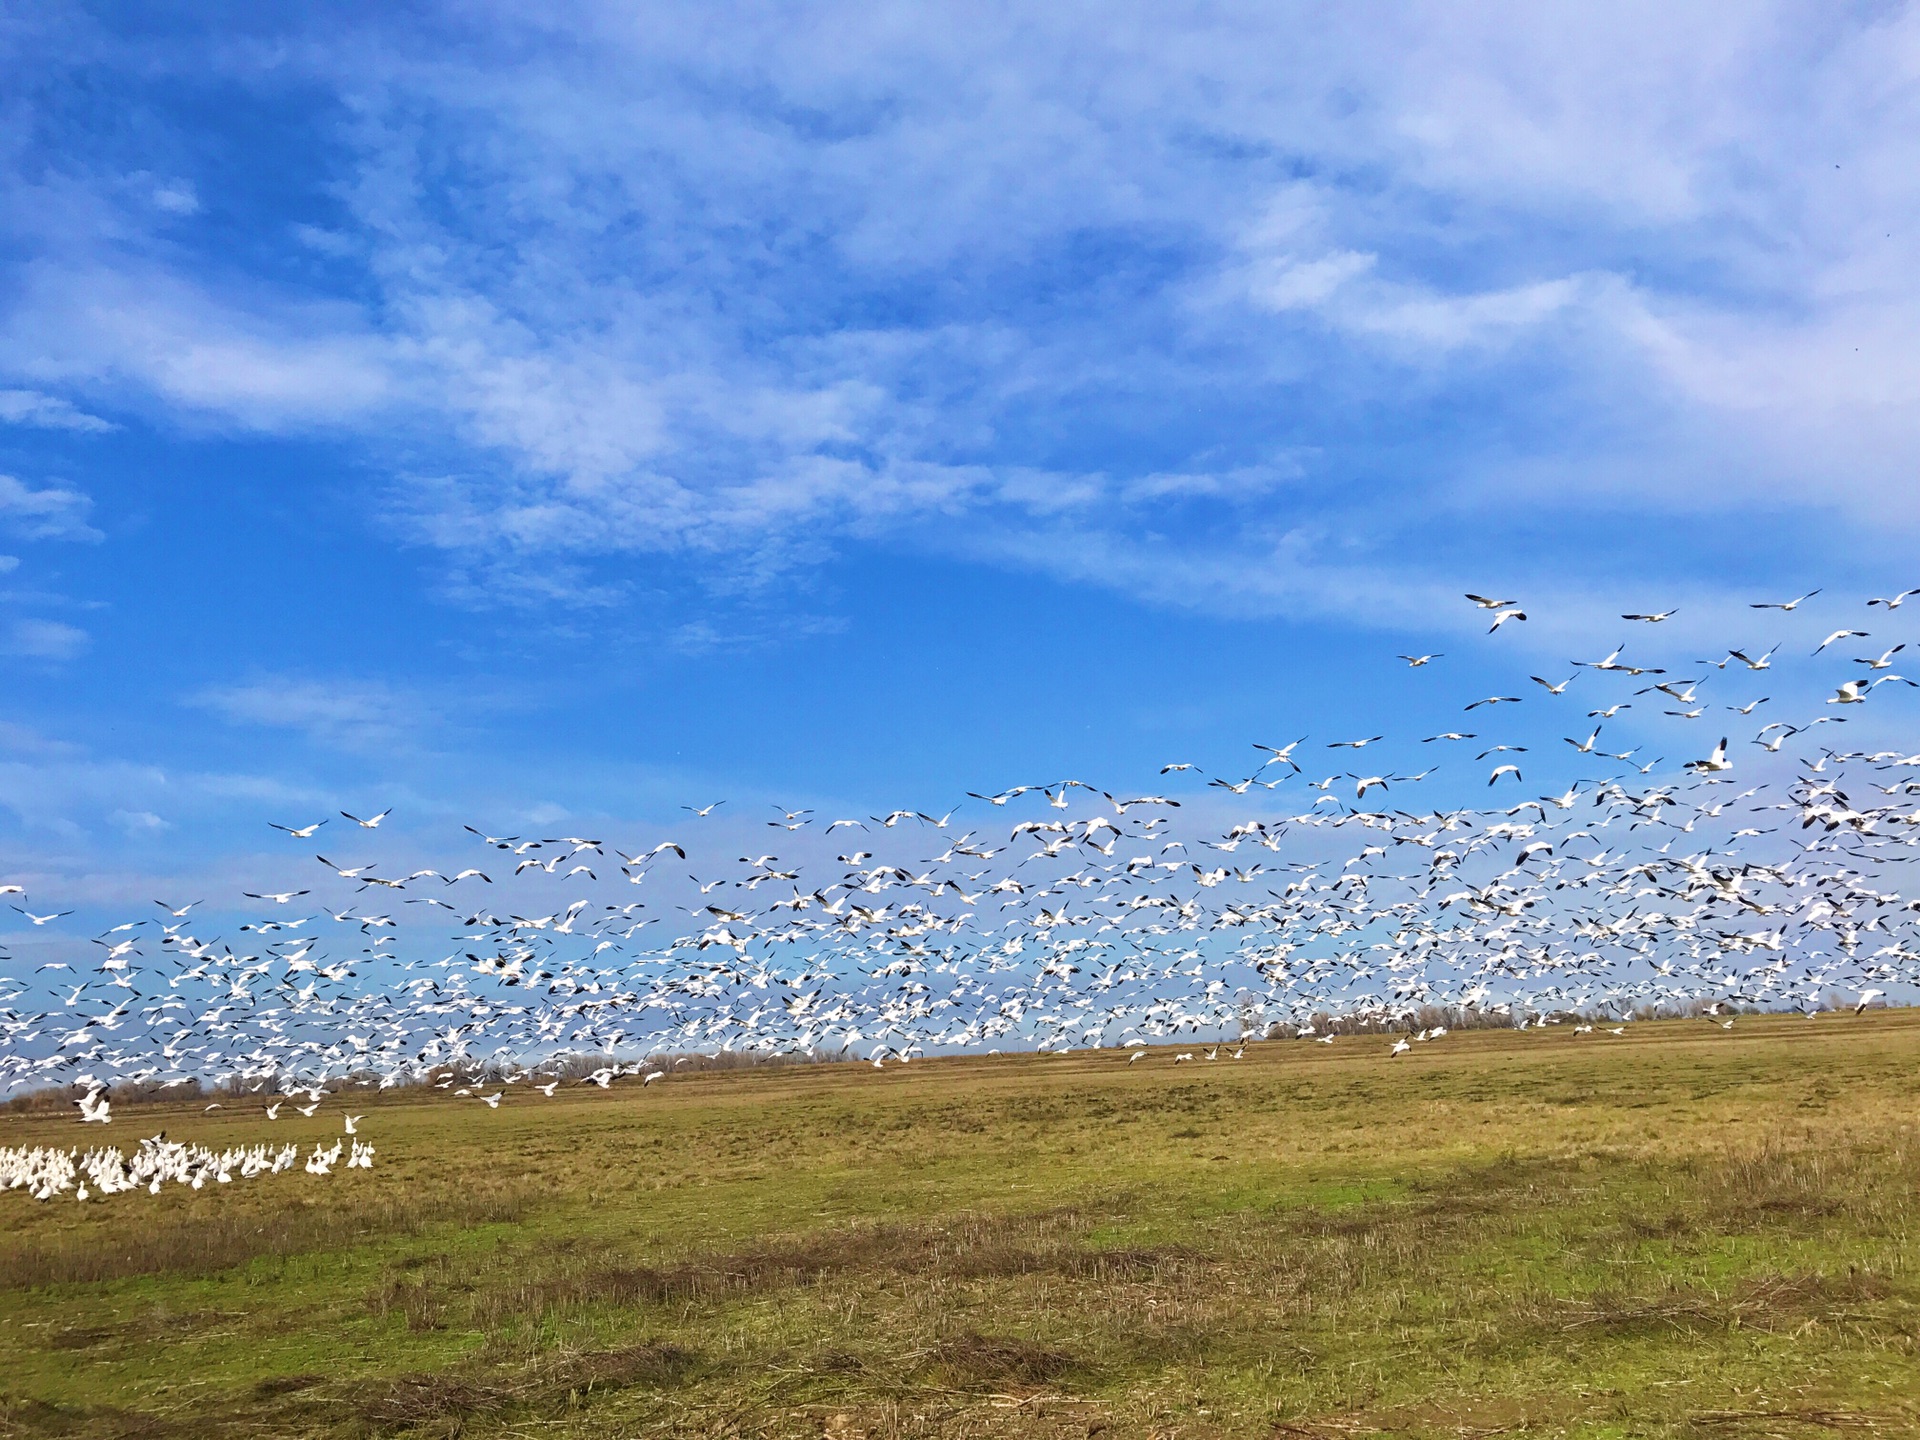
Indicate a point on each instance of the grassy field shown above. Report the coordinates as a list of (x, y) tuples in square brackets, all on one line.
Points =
[(1686, 1231)]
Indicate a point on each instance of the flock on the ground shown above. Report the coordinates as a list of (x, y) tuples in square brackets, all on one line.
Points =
[(47, 1172), (1755, 861)]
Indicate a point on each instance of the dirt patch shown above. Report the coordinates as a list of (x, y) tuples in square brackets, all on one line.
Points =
[(975, 1359), (416, 1399), (78, 1337), (652, 1363), (275, 1385), (1770, 1303)]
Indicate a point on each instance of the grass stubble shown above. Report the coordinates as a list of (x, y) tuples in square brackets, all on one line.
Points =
[(1683, 1232)]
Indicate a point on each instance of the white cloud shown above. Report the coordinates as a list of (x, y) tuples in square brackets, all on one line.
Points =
[(1447, 322), (177, 197), (1289, 282), (30, 407), (356, 715), (652, 280), (54, 787), (54, 513), (1241, 483), (45, 639), (258, 360), (24, 741)]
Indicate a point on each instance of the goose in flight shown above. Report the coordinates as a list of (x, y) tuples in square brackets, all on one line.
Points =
[(1281, 754), (305, 832), (1414, 662), (1715, 762), (1485, 604), (1450, 735), (1853, 692), (372, 822), (1885, 662), (1585, 747), (1782, 604), (1897, 601), (1017, 791), (280, 899), (42, 919), (1499, 770), (1501, 618), (1553, 689), (1353, 744), (1656, 618), (1839, 635), (179, 914), (706, 811), (1680, 690), (1612, 662), (1495, 700)]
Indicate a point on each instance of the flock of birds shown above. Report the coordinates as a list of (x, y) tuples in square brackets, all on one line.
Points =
[(45, 1171), (1762, 872)]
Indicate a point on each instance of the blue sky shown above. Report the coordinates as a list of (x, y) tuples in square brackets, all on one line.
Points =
[(556, 418)]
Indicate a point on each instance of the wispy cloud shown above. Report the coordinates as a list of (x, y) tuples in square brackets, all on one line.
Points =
[(49, 412), (138, 823), (629, 281), (56, 790), (256, 358), (347, 714), (51, 513), (45, 639)]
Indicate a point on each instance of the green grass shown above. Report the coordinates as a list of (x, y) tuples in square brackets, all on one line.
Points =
[(1685, 1232)]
